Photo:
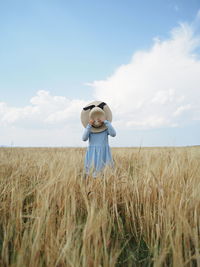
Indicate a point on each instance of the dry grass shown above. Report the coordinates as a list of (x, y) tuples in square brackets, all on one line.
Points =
[(145, 212)]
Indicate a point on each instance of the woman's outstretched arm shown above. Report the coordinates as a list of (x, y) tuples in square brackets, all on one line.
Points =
[(86, 132), (111, 130)]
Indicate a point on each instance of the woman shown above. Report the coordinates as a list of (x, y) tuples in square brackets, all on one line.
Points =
[(96, 118)]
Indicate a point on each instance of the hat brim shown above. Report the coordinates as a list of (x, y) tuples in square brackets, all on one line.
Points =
[(85, 117)]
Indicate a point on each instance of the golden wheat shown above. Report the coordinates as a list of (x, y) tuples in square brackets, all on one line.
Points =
[(145, 212)]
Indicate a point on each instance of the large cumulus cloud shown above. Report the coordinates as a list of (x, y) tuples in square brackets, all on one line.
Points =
[(159, 87)]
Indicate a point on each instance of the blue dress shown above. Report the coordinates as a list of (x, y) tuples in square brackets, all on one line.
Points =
[(98, 153)]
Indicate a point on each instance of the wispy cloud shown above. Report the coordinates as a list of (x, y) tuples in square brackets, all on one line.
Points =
[(176, 7)]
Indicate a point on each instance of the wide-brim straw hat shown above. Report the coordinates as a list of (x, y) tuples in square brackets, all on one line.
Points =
[(94, 110)]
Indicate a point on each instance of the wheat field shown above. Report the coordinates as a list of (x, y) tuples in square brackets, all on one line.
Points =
[(144, 212)]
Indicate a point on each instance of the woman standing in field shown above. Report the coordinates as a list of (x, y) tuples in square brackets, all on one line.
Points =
[(96, 117)]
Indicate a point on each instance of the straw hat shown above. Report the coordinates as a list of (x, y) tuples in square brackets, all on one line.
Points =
[(93, 111)]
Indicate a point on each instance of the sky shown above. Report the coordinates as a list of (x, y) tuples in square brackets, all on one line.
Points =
[(140, 57)]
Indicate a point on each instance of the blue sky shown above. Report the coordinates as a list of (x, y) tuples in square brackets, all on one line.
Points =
[(60, 46)]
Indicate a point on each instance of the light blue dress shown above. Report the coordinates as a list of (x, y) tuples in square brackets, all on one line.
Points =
[(98, 153)]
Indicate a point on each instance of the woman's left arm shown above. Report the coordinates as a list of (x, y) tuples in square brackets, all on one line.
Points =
[(111, 130)]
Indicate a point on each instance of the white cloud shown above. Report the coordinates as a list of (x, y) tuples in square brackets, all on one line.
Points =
[(45, 110), (159, 87), (181, 109), (47, 121)]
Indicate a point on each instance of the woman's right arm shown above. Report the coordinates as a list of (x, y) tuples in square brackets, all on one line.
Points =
[(86, 132)]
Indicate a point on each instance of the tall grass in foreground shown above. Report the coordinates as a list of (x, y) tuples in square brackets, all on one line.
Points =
[(145, 212)]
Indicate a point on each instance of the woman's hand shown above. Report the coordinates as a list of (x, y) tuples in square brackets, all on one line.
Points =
[(91, 122)]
